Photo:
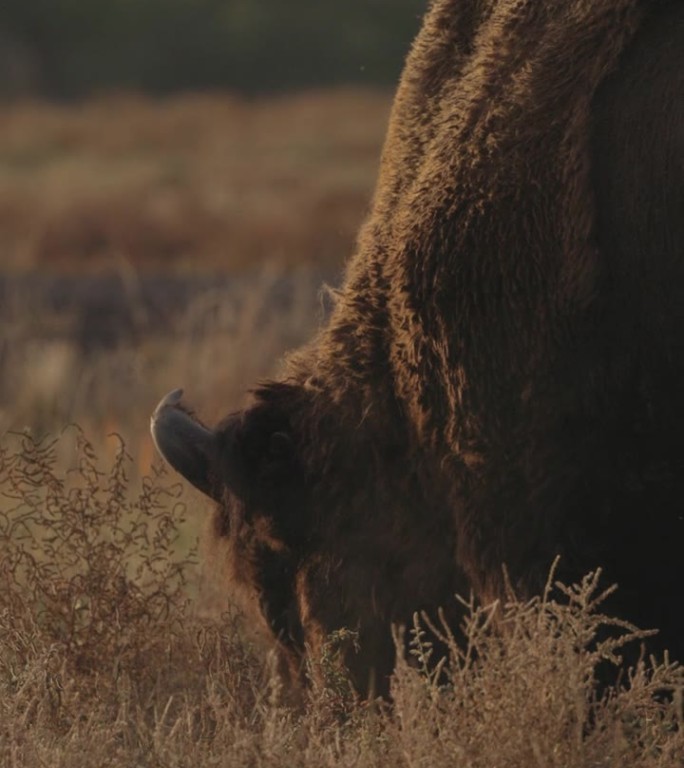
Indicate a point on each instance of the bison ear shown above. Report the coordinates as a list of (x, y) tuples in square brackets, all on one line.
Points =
[(188, 446)]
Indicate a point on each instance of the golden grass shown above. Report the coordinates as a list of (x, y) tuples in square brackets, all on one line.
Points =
[(189, 182), (104, 660)]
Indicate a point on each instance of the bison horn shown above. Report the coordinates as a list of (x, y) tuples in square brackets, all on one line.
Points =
[(187, 445)]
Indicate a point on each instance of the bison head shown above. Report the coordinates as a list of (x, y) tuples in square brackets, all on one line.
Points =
[(323, 526)]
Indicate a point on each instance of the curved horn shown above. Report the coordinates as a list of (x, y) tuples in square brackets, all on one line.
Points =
[(187, 445)]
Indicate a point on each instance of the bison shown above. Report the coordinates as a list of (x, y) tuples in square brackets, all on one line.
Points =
[(501, 380)]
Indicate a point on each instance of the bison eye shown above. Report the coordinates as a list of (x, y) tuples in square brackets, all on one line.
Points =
[(269, 459), (280, 446)]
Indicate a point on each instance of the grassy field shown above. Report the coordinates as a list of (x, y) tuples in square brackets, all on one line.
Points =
[(229, 201), (186, 183), (117, 648)]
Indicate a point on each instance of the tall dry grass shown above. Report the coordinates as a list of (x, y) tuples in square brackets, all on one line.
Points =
[(105, 660), (217, 347)]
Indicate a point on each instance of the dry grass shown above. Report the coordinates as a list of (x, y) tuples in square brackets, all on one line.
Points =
[(269, 192), (217, 348), (186, 183), (115, 649), (104, 660)]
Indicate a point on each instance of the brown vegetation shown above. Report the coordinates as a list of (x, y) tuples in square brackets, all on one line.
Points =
[(126, 189), (189, 182), (105, 661), (48, 380)]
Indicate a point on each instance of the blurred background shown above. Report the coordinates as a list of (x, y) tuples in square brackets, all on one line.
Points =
[(177, 180)]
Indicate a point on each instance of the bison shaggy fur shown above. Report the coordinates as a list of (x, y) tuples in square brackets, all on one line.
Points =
[(501, 380)]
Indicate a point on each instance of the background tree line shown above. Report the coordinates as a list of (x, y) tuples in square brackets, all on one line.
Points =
[(74, 48)]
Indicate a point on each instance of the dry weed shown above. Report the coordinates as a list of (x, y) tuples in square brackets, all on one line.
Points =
[(526, 694), (105, 662)]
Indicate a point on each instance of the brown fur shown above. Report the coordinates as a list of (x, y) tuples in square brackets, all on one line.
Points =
[(502, 378)]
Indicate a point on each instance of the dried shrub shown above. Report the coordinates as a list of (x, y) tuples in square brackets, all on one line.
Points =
[(94, 603), (86, 569), (103, 660), (526, 692)]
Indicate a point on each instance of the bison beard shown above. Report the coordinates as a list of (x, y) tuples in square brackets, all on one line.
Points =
[(501, 379)]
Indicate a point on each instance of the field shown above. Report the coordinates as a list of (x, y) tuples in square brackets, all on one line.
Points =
[(147, 245), (144, 241)]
